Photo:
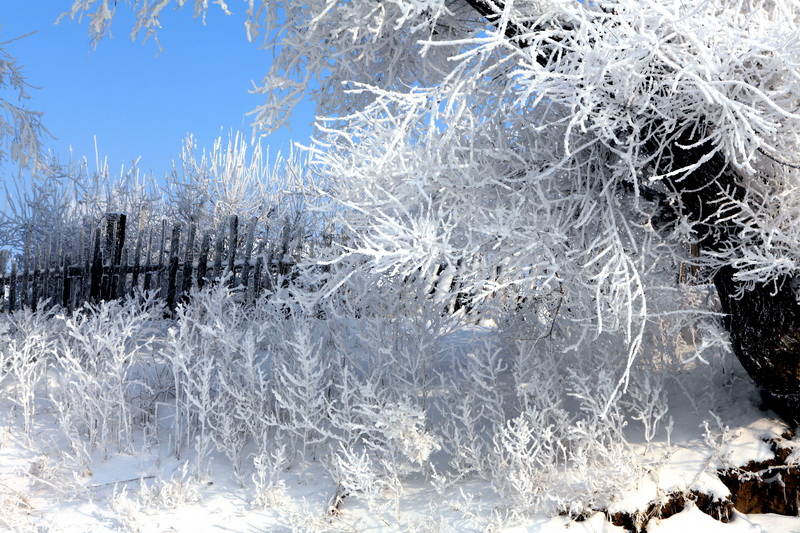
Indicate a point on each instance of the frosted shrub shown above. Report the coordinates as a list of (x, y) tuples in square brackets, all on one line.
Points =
[(106, 371), (31, 341)]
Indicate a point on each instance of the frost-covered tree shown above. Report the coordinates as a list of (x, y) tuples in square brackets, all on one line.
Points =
[(579, 145), (21, 129)]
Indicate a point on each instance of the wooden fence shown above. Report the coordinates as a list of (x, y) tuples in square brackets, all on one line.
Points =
[(106, 265)]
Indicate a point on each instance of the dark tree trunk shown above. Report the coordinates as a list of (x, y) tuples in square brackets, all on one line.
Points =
[(764, 322), (764, 326)]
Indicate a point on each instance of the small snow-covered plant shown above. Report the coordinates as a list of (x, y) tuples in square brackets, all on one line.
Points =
[(30, 346), (480, 404), (180, 490), (105, 371), (269, 488), (647, 401), (301, 387), (358, 474)]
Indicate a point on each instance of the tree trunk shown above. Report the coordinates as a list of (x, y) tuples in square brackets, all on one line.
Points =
[(763, 323), (764, 327)]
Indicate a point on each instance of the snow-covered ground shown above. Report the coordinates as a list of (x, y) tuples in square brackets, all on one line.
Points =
[(41, 489), (85, 448)]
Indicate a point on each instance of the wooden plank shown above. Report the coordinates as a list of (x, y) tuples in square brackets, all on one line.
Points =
[(257, 273), (115, 277), (233, 240), (58, 267), (66, 297), (45, 265), (35, 274), (96, 270), (121, 221), (174, 261), (81, 262), (202, 263), (137, 254), (162, 250), (107, 257), (3, 278), (148, 275), (246, 255), (122, 274), (12, 291), (218, 253), (26, 264), (188, 264), (86, 278)]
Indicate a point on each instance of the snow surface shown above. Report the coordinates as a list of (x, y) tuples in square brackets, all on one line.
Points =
[(51, 481), (41, 491)]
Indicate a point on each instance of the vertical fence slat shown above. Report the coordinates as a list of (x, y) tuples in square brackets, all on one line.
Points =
[(66, 299), (246, 255), (35, 281), (45, 264), (3, 278), (233, 240), (188, 263), (26, 264), (96, 276), (161, 258), (12, 292), (202, 262), (218, 253), (83, 288), (122, 274), (137, 256), (174, 260), (116, 245), (148, 274), (58, 264)]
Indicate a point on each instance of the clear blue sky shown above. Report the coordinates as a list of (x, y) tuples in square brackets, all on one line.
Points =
[(136, 101)]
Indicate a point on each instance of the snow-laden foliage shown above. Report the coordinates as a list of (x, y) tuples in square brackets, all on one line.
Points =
[(375, 387), (536, 135), (58, 201), (21, 129)]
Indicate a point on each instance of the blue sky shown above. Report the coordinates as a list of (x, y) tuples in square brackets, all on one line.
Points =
[(136, 101)]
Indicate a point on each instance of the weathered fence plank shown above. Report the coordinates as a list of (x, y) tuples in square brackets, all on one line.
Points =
[(106, 263), (233, 239), (202, 263), (174, 262), (188, 264)]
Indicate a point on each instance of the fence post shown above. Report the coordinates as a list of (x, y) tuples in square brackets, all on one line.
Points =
[(148, 275), (3, 278), (115, 242), (35, 281), (248, 252), (186, 282), (95, 289), (218, 252), (233, 241), (26, 261), (202, 263), (12, 292), (137, 255), (174, 259), (66, 297), (161, 254)]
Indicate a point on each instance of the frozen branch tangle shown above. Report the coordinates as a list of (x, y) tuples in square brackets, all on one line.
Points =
[(579, 144)]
